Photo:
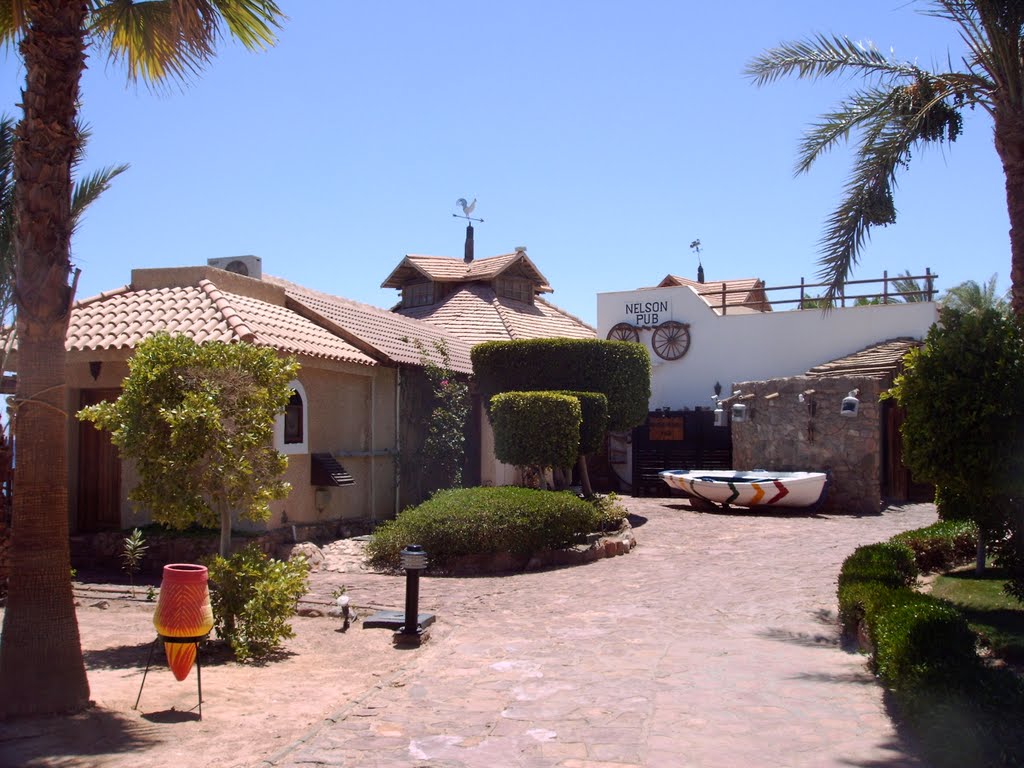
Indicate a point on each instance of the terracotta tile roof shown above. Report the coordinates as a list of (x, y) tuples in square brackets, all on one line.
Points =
[(877, 361), (476, 314), (377, 331), (738, 291), (121, 319), (449, 269)]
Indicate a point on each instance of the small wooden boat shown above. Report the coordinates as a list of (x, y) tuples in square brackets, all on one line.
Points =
[(757, 488)]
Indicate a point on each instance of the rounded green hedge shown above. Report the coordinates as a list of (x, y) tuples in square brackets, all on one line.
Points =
[(469, 521)]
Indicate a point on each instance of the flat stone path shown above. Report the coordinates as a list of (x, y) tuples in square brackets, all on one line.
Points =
[(713, 644)]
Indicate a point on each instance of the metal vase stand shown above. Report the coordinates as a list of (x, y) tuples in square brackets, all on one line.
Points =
[(199, 667)]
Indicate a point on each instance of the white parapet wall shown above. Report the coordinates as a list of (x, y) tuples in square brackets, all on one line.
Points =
[(746, 346)]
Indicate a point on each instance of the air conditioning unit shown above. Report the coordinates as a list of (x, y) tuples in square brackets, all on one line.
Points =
[(249, 266)]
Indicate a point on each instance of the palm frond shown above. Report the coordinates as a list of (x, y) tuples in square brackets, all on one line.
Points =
[(88, 189), (909, 289), (867, 202), (863, 107), (13, 22), (174, 39), (821, 56)]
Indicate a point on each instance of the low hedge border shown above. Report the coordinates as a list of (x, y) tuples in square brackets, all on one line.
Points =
[(962, 711)]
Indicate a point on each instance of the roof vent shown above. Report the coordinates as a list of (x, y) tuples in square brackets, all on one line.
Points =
[(247, 266), (521, 249)]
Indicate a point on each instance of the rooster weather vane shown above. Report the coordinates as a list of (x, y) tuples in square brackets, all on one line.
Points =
[(467, 209)]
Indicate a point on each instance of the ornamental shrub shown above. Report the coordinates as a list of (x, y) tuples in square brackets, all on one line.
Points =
[(538, 429), (253, 598), (921, 638), (470, 521), (594, 413), (890, 564), (942, 545)]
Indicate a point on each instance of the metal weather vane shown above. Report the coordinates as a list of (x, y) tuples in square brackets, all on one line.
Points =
[(467, 209)]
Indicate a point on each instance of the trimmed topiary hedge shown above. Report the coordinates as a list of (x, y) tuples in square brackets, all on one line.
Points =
[(536, 428), (918, 637), (470, 521), (943, 545), (620, 370), (889, 564), (594, 411), (962, 711)]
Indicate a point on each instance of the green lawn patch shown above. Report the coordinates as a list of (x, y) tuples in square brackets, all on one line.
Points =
[(994, 615)]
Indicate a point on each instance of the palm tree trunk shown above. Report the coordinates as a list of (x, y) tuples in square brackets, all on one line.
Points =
[(41, 667), (1009, 141)]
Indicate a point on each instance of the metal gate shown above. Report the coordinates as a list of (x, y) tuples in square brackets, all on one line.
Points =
[(677, 440)]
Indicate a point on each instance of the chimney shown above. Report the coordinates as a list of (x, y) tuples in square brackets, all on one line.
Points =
[(700, 273), (469, 244)]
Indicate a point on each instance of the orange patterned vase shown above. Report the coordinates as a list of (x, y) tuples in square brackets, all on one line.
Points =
[(183, 610)]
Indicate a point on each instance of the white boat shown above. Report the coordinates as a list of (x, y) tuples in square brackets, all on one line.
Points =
[(757, 488)]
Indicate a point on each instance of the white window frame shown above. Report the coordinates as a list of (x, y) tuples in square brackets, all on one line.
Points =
[(279, 443)]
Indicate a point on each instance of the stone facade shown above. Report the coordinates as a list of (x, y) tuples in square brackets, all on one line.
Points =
[(782, 433)]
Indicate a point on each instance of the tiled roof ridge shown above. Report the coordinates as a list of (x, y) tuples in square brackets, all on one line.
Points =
[(501, 310), (228, 312), (102, 296), (561, 311)]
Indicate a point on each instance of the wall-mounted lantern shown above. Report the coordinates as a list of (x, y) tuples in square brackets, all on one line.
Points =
[(851, 405), (739, 412)]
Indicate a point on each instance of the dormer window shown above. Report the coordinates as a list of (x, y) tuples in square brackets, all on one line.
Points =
[(418, 295), (514, 288)]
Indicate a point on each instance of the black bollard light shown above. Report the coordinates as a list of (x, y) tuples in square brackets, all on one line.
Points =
[(413, 560)]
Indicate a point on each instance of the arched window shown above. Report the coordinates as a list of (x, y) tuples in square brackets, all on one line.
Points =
[(291, 430)]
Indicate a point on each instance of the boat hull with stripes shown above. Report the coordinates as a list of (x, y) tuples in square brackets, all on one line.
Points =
[(757, 488)]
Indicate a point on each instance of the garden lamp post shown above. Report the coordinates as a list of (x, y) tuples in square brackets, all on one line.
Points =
[(413, 560)]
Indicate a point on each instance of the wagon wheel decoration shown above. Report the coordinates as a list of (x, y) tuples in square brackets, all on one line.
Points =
[(671, 340), (623, 332)]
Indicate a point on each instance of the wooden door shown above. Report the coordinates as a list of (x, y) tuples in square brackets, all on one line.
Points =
[(99, 471)]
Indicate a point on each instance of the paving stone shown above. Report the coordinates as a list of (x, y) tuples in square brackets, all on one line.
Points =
[(713, 644)]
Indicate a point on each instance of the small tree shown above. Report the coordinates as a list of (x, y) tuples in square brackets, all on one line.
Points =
[(963, 392), (199, 420), (133, 548)]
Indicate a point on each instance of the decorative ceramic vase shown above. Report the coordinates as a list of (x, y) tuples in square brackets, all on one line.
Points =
[(183, 611)]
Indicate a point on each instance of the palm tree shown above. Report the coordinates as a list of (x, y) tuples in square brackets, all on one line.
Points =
[(971, 296), (903, 106), (84, 193), (41, 667)]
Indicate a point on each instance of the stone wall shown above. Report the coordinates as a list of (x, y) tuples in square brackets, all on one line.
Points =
[(786, 434), (103, 550)]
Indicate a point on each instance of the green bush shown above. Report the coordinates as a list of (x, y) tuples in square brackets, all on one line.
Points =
[(469, 521), (888, 563), (253, 597), (621, 370), (536, 429), (594, 413), (942, 545), (922, 639), (860, 601)]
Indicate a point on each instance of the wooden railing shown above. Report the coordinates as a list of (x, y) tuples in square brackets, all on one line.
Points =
[(886, 293)]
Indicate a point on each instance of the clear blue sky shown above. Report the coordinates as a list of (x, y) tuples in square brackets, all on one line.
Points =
[(604, 136)]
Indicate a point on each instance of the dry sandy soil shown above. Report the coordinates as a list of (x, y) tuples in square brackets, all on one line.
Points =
[(249, 713)]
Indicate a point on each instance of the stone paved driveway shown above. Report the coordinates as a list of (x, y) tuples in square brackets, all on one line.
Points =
[(713, 644)]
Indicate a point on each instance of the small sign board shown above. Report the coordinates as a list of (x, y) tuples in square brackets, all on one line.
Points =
[(666, 428)]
